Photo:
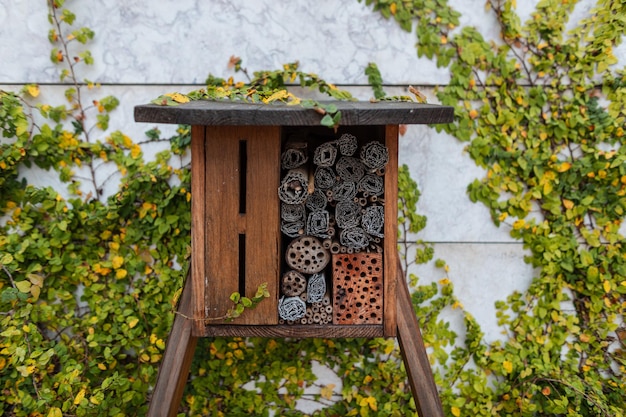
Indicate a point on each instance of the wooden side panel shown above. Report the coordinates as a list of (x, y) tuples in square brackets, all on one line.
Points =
[(221, 198), (391, 231), (198, 221), (262, 226)]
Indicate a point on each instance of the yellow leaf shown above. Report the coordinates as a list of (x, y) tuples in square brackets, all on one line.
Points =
[(607, 286), (33, 90), (121, 273), (279, 95), (55, 412), (135, 151), (179, 98), (35, 279), (133, 322), (456, 411), (508, 366), (93, 399), (564, 167), (102, 367), (35, 290), (327, 391), (160, 344), (568, 204), (372, 403), (79, 397), (26, 370), (117, 261), (393, 8)]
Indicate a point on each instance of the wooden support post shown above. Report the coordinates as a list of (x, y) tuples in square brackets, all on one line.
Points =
[(174, 369), (414, 354), (181, 345)]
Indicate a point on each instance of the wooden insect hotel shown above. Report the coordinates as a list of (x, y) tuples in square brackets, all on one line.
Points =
[(308, 211)]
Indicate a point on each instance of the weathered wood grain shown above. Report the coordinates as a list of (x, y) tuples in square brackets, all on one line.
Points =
[(176, 362), (228, 113), (297, 331), (221, 224), (241, 243), (262, 251), (390, 250), (414, 355), (198, 227)]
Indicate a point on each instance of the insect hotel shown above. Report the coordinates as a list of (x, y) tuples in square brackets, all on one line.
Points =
[(310, 213)]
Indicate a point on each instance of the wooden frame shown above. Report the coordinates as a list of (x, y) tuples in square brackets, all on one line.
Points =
[(235, 152)]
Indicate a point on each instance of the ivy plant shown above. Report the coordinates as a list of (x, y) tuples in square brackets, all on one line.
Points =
[(542, 110)]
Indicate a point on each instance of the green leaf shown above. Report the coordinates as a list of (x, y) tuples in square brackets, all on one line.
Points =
[(23, 286), (327, 121), (246, 302)]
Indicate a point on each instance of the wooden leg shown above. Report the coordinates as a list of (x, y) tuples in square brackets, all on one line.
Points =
[(174, 369), (414, 355)]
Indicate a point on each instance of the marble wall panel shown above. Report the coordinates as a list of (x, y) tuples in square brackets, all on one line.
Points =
[(181, 41), (481, 274)]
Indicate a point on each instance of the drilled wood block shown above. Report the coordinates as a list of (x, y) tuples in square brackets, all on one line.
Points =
[(358, 288)]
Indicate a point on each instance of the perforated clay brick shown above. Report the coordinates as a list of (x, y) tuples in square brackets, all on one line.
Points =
[(357, 288)]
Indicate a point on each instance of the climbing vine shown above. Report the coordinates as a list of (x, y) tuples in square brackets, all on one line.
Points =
[(267, 87), (542, 110)]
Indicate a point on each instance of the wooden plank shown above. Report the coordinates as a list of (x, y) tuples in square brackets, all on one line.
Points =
[(225, 113), (176, 361), (198, 221), (297, 331), (221, 199), (414, 355), (390, 260), (262, 234)]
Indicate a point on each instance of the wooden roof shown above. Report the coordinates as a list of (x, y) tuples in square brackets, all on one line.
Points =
[(232, 113)]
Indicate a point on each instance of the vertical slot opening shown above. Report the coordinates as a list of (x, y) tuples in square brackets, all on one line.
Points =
[(243, 173), (242, 264)]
